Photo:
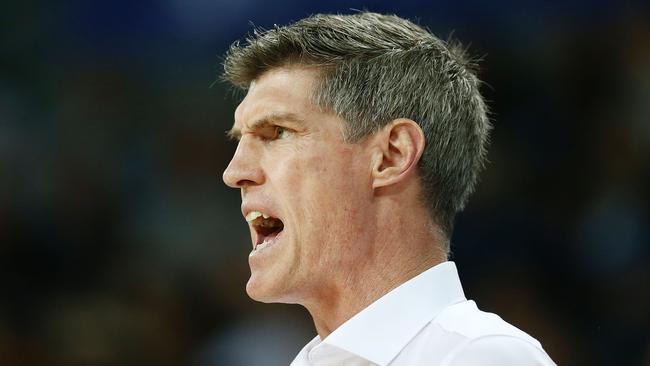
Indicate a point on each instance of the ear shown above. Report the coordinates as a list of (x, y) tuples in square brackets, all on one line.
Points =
[(400, 145)]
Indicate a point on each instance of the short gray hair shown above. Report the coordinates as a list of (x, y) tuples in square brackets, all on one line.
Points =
[(377, 68)]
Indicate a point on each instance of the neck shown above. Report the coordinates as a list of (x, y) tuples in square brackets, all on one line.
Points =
[(400, 250)]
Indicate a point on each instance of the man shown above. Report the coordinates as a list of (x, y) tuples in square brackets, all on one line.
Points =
[(360, 137)]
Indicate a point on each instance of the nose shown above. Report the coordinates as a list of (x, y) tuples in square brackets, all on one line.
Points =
[(244, 169)]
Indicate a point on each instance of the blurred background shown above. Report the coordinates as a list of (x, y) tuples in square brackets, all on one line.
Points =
[(120, 245)]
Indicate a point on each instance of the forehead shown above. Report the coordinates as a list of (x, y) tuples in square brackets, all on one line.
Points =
[(281, 91)]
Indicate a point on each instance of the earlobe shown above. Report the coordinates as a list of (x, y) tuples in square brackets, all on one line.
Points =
[(400, 147)]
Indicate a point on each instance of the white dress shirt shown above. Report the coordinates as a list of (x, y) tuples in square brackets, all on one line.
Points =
[(425, 321)]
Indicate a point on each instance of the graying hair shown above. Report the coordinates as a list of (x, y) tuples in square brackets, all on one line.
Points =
[(377, 68)]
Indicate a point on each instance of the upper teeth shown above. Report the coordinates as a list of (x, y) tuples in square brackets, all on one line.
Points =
[(255, 214)]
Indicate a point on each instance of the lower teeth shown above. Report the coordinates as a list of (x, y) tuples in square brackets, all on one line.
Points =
[(263, 245)]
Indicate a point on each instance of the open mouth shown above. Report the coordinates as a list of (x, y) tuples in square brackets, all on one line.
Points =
[(266, 227)]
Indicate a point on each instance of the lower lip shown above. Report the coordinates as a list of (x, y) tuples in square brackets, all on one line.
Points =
[(266, 246)]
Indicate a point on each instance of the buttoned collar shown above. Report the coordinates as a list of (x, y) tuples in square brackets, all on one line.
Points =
[(380, 331)]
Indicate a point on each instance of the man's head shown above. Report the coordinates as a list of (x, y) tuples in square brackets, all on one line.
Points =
[(344, 114)]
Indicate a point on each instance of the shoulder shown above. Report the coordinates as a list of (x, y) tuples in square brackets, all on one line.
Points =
[(467, 320), (486, 339), (497, 350)]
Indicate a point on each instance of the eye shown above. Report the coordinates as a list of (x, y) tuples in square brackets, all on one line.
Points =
[(272, 133), (281, 132)]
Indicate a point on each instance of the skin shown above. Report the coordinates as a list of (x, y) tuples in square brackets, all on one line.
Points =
[(354, 225)]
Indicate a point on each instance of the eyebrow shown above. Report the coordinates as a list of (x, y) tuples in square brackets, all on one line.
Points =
[(235, 133)]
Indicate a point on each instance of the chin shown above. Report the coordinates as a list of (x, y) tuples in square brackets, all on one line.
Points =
[(263, 291), (258, 290)]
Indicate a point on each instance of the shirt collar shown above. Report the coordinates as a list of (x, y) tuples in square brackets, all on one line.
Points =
[(380, 331)]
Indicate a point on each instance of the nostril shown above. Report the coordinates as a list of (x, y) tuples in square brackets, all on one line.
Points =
[(245, 183)]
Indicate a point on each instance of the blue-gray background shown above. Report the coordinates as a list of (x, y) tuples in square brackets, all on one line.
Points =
[(119, 244)]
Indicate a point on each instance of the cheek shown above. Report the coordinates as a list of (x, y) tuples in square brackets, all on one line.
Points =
[(330, 181), (337, 199), (322, 187)]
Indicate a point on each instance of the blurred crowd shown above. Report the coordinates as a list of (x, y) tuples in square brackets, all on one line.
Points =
[(120, 245)]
